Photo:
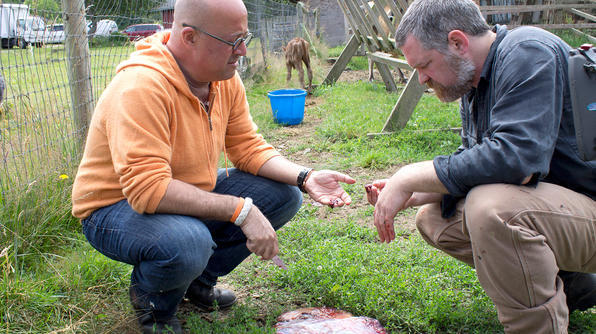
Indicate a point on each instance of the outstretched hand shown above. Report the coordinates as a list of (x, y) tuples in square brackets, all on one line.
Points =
[(323, 186)]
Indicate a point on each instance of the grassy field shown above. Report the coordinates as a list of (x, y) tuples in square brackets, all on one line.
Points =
[(61, 285)]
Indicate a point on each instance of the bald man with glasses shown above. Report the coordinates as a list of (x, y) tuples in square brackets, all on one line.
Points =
[(149, 191)]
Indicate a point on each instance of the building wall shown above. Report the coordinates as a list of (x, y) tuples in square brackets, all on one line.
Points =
[(334, 28), (167, 17)]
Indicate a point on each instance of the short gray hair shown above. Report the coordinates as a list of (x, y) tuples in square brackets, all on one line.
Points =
[(430, 21)]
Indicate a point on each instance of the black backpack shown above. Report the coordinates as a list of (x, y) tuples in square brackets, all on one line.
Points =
[(582, 85)]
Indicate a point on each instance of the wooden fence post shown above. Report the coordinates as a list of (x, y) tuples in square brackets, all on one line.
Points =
[(79, 69), (263, 38)]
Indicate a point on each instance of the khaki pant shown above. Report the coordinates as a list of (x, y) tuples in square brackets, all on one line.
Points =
[(518, 238)]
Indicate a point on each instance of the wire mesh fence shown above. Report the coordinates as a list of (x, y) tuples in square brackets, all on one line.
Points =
[(55, 63)]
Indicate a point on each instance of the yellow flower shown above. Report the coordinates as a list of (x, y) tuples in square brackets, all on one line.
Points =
[(63, 177)]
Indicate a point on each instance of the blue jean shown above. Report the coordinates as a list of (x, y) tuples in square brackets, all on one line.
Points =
[(169, 251)]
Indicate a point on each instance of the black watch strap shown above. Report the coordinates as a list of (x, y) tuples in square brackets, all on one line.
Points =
[(302, 177)]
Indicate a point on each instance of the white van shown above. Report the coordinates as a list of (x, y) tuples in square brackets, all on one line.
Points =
[(55, 34), (105, 28), (31, 31), (9, 16)]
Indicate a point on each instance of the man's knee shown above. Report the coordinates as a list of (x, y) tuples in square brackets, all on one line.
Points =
[(186, 253), (488, 208), (427, 224), (290, 201), (422, 219)]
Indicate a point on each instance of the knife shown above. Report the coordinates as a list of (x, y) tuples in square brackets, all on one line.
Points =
[(279, 262)]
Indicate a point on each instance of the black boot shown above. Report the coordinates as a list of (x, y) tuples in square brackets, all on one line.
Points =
[(208, 298), (580, 289), (149, 320)]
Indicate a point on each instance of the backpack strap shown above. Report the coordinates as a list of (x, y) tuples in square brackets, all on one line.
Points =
[(582, 85)]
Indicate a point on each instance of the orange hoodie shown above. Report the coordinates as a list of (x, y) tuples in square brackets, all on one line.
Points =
[(148, 128)]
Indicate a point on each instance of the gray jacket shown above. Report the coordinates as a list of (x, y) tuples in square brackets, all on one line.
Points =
[(518, 121)]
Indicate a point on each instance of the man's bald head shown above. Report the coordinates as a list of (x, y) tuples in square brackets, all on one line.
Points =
[(201, 47), (204, 13)]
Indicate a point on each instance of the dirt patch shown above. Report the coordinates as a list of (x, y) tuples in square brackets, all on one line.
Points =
[(304, 135)]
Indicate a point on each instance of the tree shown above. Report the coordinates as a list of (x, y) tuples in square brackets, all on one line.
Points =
[(48, 9)]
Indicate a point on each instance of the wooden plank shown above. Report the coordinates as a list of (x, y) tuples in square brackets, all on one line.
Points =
[(583, 14), (388, 59), (342, 61), (405, 105), (583, 34), (372, 20), (454, 130), (385, 72), (488, 10), (391, 40), (392, 7), (397, 10), (379, 7), (361, 22), (358, 31), (403, 5), (352, 21)]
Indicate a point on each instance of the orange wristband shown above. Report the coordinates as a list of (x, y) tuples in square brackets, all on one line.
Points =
[(238, 209)]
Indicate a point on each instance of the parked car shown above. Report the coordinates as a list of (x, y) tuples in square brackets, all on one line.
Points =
[(31, 31), (105, 28), (55, 34), (19, 28), (138, 31)]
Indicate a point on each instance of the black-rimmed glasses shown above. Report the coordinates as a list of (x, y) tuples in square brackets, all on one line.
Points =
[(235, 44)]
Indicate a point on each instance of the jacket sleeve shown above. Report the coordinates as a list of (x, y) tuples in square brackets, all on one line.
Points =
[(139, 138), (523, 124), (246, 148)]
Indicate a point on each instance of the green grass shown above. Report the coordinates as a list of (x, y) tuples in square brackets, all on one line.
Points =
[(406, 285), (574, 39), (52, 280), (356, 62)]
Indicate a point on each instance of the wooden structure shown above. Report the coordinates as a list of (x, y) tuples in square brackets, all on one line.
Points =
[(373, 28), (547, 14)]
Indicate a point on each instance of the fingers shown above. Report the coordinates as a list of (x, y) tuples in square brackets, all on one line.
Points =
[(341, 177), (345, 178), (372, 194), (385, 228), (266, 252), (380, 184), (345, 199), (383, 220)]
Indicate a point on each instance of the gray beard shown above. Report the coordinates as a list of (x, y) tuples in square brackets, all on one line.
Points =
[(465, 70)]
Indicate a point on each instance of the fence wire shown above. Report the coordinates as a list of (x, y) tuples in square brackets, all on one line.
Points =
[(40, 131)]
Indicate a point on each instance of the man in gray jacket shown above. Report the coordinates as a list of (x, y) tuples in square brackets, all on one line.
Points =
[(515, 201)]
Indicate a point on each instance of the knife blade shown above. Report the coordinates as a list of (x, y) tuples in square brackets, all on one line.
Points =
[(279, 262)]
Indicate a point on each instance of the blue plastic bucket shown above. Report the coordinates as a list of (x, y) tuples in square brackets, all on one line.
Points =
[(287, 105)]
